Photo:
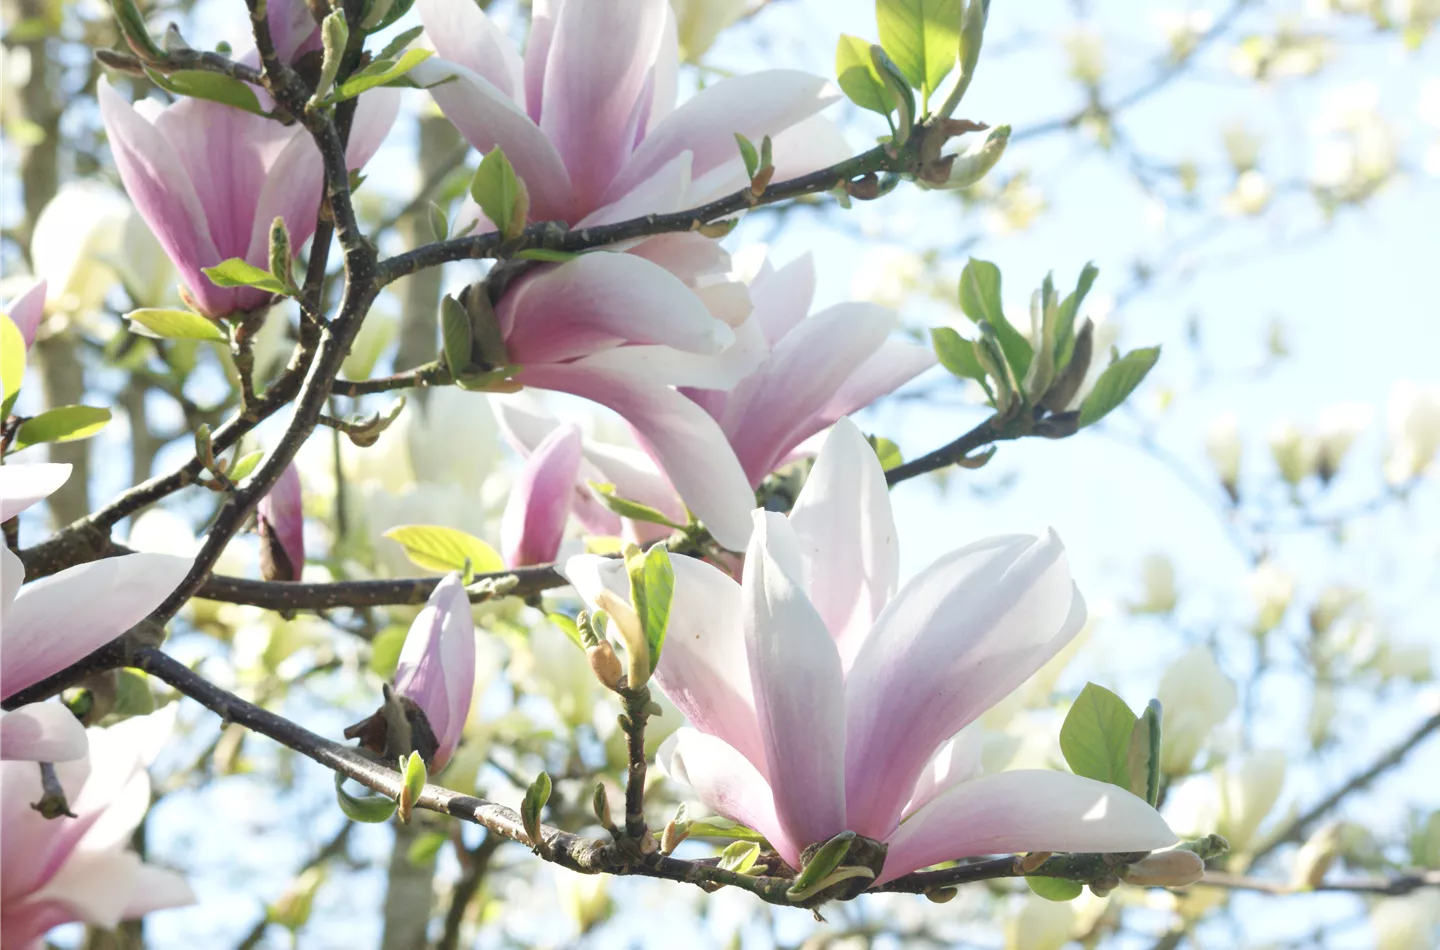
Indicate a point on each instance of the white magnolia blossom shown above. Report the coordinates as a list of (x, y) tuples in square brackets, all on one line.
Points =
[(1413, 424), (1233, 800), (1272, 588), (1157, 575), (1293, 450), (1223, 446), (1411, 922), (1196, 697), (1039, 924)]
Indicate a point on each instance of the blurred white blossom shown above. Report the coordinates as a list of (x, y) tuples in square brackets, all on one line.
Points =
[(1157, 574), (1038, 924), (1293, 450), (1242, 146), (1250, 195), (1413, 420), (1223, 445), (1195, 697), (699, 22), (1182, 29), (1406, 923), (1338, 427), (1355, 151), (1232, 800), (1085, 48), (1271, 589), (888, 276)]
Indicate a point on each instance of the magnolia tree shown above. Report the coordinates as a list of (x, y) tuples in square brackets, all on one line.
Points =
[(673, 641)]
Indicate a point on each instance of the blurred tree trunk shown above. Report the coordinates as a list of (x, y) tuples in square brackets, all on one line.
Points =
[(420, 293), (410, 893)]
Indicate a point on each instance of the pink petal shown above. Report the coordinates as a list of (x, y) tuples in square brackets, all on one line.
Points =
[(754, 105), (683, 439), (462, 33), (537, 52), (672, 367), (799, 688), (156, 889), (281, 516), (892, 366), (488, 118), (703, 668), (62, 618), (661, 193), (957, 639), (782, 296), (540, 501), (159, 185), (27, 310), (375, 113), (956, 761), (663, 79), (767, 414), (594, 75), (1028, 810), (12, 575), (726, 782), (292, 28), (601, 300), (23, 485), (437, 664), (42, 732), (847, 537)]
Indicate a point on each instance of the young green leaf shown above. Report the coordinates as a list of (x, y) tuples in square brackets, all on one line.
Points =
[(416, 775), (824, 861), (61, 424), (1069, 310), (439, 221), (980, 299), (748, 155), (545, 254), (1095, 737), (457, 336), (626, 508), (887, 452), (956, 353), (922, 37), (385, 651), (857, 76), (531, 806), (380, 73), (392, 49), (567, 626), (174, 325), (334, 38), (652, 588), (239, 273), (722, 828), (132, 694), (902, 99), (12, 362), (739, 856), (1117, 383), (436, 548), (1144, 754), (244, 466), (500, 193), (213, 87), (370, 809), (1053, 888)]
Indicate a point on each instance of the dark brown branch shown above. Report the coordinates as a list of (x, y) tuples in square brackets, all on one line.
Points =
[(283, 595), (1396, 886)]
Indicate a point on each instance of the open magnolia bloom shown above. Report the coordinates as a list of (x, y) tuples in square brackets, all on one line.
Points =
[(591, 127), (55, 621), (824, 701), (57, 870), (799, 373)]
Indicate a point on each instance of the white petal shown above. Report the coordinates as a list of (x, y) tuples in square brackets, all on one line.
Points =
[(23, 485), (42, 732)]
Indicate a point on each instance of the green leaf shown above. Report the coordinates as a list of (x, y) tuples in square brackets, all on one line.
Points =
[(652, 588), (1054, 888), (416, 775), (902, 98), (1117, 383), (980, 299), (425, 847), (500, 193), (62, 424), (132, 694), (568, 627), (956, 353), (739, 856), (887, 452), (922, 37), (1144, 754), (545, 254), (1069, 310), (176, 324), (379, 73), (1095, 737), (457, 336), (370, 809), (857, 76), (239, 273), (244, 465), (392, 49), (748, 155), (435, 548), (385, 651), (626, 508), (199, 84), (722, 828), (12, 362), (530, 807), (825, 860), (397, 9)]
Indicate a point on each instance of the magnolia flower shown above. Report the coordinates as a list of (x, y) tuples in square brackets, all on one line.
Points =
[(87, 239), (1157, 573), (1195, 697), (281, 522), (539, 504), (1232, 801), (1294, 452), (1039, 924), (1339, 425), (434, 683), (592, 128), (210, 179), (1406, 923), (1413, 417), (53, 622), (27, 310), (1223, 445), (797, 375), (1272, 588), (81, 869), (822, 700)]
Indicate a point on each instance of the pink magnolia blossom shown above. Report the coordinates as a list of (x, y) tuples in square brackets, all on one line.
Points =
[(436, 671), (55, 871), (210, 179), (588, 116), (53, 622), (823, 700), (281, 521), (27, 310), (798, 374), (533, 524)]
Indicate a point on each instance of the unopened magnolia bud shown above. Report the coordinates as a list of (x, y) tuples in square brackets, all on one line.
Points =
[(1067, 385), (1294, 452), (1031, 862), (280, 251), (1315, 857), (605, 665), (600, 803), (1166, 869), (632, 634), (334, 37), (1222, 444), (137, 34), (674, 833), (975, 162)]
